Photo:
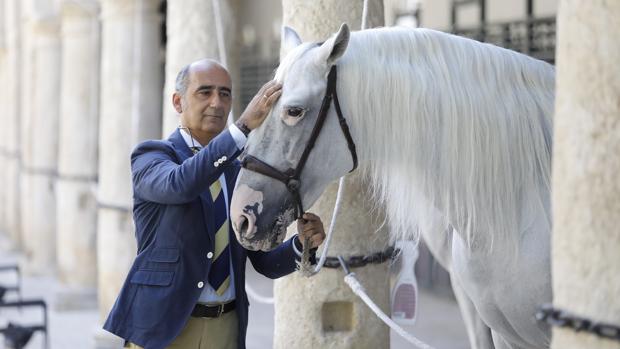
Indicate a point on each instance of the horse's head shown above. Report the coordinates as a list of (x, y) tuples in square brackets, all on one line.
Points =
[(263, 206)]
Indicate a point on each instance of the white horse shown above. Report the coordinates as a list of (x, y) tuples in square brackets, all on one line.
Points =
[(456, 138)]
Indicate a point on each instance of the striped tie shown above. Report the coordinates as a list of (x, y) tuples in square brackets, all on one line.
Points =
[(219, 276)]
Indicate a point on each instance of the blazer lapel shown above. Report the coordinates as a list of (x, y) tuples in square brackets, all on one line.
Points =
[(182, 150), (206, 203)]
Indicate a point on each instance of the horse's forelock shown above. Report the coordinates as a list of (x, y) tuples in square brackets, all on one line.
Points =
[(289, 60)]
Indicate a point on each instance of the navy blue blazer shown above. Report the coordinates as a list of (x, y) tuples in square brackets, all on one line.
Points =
[(174, 235)]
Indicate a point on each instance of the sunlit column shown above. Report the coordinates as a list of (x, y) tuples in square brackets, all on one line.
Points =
[(38, 121), (76, 212), (130, 111), (334, 316)]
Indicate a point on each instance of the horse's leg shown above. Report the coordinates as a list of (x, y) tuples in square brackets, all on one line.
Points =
[(500, 343), (478, 332), (439, 243)]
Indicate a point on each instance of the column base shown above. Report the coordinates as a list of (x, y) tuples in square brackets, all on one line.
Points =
[(106, 340), (6, 243), (34, 268)]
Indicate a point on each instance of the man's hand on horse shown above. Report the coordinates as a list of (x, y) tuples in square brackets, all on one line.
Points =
[(258, 109), (310, 227)]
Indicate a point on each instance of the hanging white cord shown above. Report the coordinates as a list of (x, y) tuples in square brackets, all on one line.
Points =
[(365, 15), (305, 270), (221, 45), (359, 290), (332, 224)]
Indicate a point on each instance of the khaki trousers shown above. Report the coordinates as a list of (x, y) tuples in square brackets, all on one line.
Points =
[(206, 333)]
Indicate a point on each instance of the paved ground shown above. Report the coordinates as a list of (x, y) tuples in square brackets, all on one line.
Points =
[(439, 323)]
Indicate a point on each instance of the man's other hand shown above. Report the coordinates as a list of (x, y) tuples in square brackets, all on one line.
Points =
[(258, 109), (310, 227)]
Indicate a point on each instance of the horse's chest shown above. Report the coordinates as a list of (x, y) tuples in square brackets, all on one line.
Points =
[(477, 272)]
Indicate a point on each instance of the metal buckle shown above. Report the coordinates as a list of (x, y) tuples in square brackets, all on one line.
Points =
[(220, 310)]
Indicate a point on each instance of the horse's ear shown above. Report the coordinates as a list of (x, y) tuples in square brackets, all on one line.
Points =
[(290, 39), (334, 47)]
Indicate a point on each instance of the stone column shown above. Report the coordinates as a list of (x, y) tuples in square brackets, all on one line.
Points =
[(3, 112), (39, 139), (131, 90), (191, 35), (11, 120), (76, 218), (586, 168), (322, 311)]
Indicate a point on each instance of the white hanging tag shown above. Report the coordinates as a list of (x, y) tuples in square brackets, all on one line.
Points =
[(405, 291)]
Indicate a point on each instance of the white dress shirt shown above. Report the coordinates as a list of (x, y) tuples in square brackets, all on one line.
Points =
[(208, 294)]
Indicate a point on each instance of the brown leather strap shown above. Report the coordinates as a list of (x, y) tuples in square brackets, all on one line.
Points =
[(253, 164), (291, 177)]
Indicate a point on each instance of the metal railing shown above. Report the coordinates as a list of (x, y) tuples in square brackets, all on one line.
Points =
[(17, 336), (532, 36)]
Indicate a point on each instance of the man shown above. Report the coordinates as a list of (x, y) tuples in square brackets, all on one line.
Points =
[(185, 288)]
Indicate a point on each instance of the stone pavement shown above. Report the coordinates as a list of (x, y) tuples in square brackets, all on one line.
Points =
[(439, 322)]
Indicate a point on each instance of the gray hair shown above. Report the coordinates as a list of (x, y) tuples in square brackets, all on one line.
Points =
[(182, 80)]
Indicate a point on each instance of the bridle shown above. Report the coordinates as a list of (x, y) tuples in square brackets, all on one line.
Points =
[(291, 177)]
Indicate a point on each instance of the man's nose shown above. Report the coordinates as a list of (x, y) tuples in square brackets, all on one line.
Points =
[(216, 101)]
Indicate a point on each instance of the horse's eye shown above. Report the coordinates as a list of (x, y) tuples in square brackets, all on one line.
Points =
[(295, 112)]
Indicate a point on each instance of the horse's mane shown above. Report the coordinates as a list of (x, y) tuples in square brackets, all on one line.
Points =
[(450, 125)]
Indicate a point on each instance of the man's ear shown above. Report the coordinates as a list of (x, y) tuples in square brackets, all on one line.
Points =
[(176, 102)]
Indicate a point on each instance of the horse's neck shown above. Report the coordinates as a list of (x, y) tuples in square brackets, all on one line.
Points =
[(399, 157)]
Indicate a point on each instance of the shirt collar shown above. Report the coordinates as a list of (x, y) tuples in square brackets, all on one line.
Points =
[(189, 140)]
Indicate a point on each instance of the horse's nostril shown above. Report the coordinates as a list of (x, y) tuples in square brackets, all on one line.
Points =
[(243, 225)]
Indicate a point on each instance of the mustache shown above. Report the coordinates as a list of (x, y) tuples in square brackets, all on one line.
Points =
[(214, 112)]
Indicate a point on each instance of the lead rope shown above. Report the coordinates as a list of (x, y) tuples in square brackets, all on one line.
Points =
[(359, 290), (306, 267)]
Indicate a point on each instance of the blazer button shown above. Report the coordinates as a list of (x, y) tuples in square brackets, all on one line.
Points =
[(210, 255), (224, 158), (201, 284), (216, 164)]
